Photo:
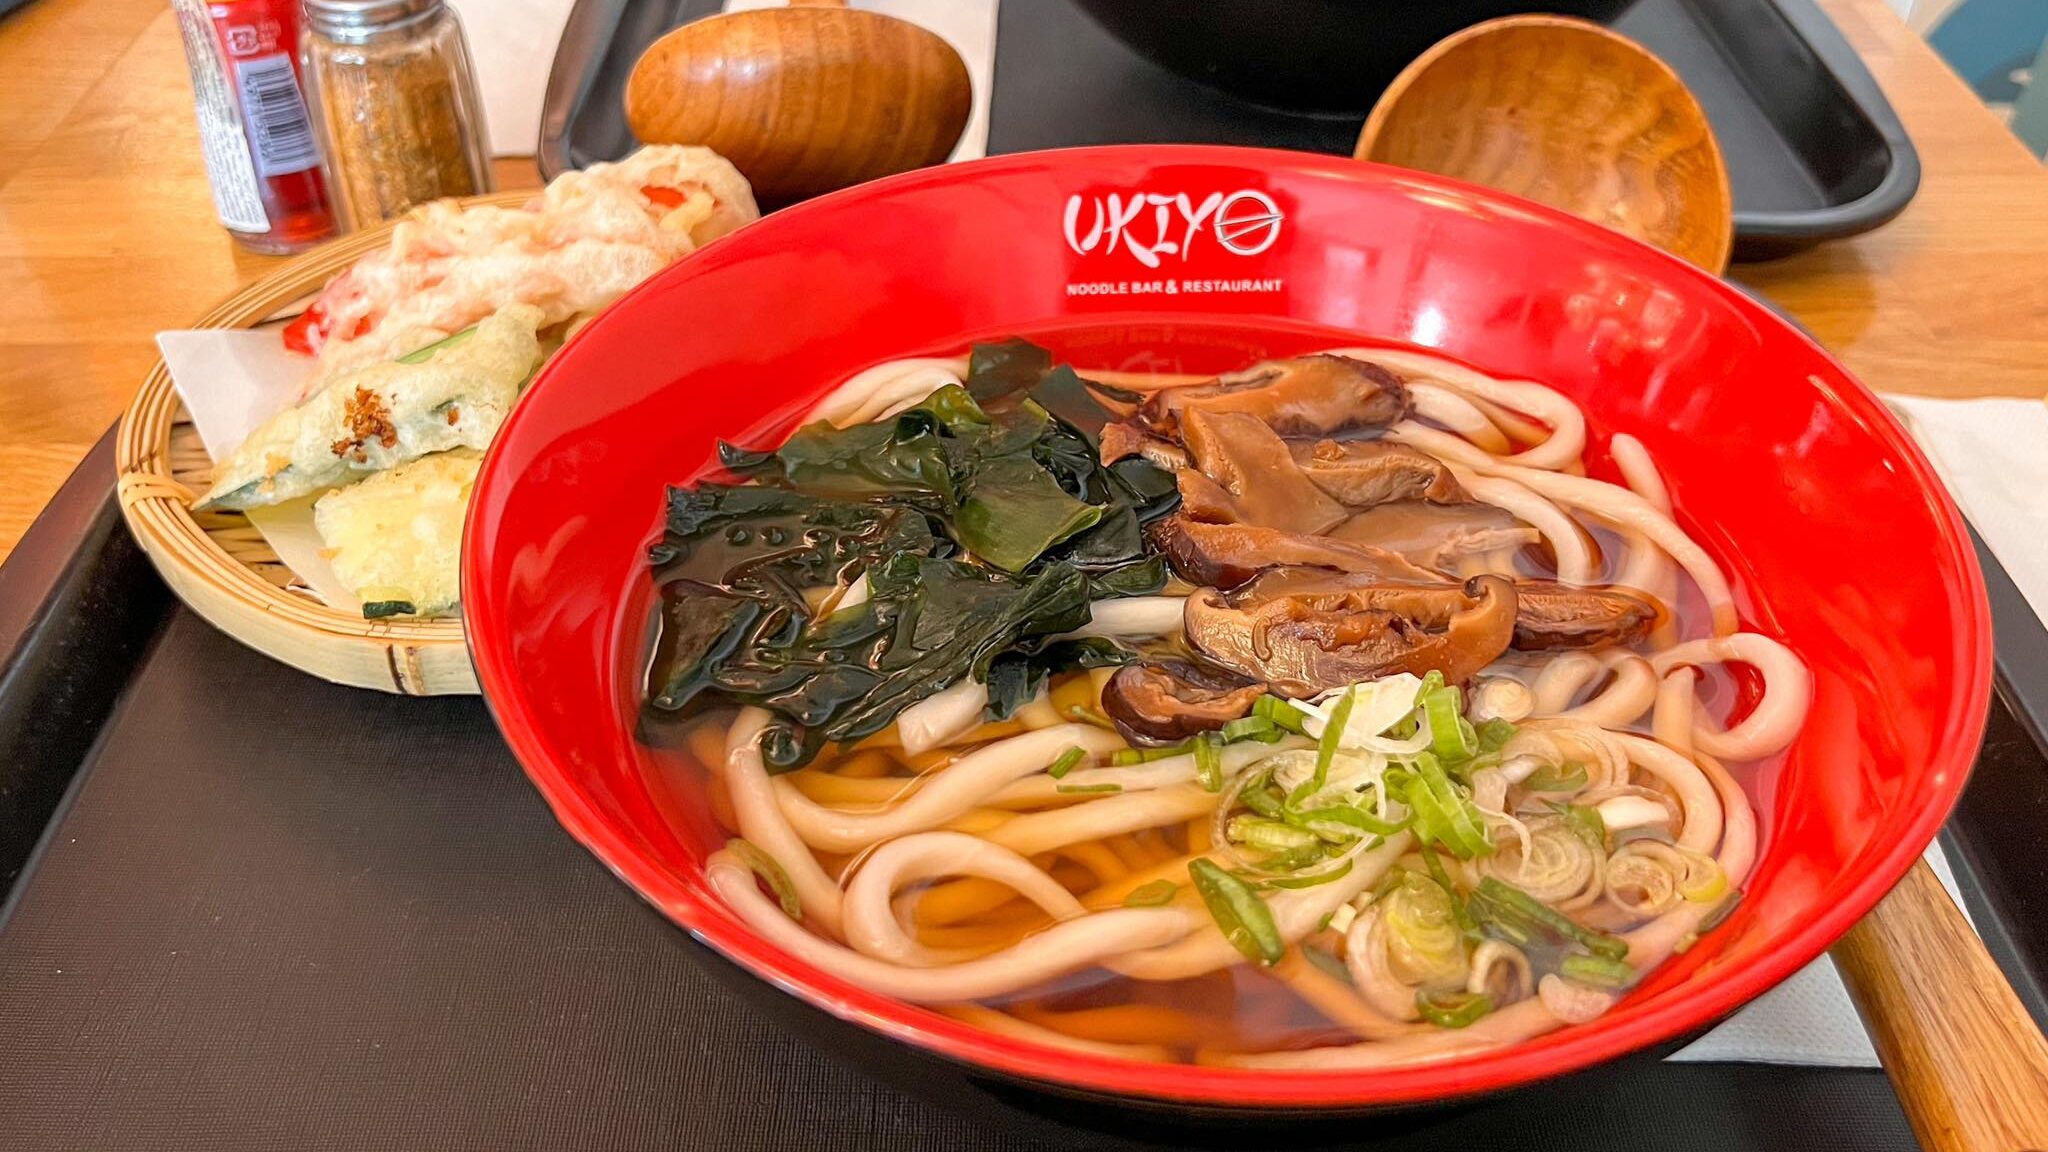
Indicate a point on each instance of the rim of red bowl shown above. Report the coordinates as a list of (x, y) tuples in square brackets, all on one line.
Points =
[(1495, 1070)]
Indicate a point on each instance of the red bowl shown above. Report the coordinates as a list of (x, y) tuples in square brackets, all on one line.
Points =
[(1839, 538)]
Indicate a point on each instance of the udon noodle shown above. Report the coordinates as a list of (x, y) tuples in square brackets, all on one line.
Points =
[(1284, 864)]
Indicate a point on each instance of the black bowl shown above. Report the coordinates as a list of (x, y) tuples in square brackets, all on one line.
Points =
[(1322, 55)]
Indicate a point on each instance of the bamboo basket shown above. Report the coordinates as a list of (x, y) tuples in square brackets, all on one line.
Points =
[(221, 567)]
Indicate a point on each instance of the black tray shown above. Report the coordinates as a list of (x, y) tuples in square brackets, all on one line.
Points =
[(270, 912), (1814, 151)]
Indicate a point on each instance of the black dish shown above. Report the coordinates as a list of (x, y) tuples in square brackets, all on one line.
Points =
[(1311, 55)]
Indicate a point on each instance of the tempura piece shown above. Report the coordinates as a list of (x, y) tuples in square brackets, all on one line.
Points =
[(588, 238), (454, 395), (396, 538)]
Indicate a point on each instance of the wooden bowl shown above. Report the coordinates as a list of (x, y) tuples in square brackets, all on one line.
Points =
[(806, 99), (1568, 114), (221, 567)]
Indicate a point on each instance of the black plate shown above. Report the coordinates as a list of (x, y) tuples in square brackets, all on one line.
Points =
[(1814, 151)]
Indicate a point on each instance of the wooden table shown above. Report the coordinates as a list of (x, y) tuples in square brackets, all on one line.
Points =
[(107, 234)]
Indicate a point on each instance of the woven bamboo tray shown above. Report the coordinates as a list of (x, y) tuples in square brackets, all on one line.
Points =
[(221, 567)]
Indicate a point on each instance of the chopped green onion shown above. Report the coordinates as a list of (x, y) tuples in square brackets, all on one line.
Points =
[(1072, 789), (1462, 833), (1296, 859), (1066, 762), (1446, 737), (1494, 734), (1269, 736), (1209, 762), (1350, 817), (1459, 911), (1281, 713), (1584, 819), (1313, 879), (1567, 777), (1331, 966), (1262, 800), (1246, 727), (1453, 1009), (1597, 971), (1268, 835), (1326, 748), (1529, 908), (1239, 912), (1152, 895), (1086, 715), (765, 866), (1714, 919), (1125, 757)]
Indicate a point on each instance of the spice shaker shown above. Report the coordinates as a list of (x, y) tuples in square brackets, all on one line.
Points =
[(395, 100)]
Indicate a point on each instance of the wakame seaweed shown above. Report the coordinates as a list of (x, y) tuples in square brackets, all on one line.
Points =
[(981, 521)]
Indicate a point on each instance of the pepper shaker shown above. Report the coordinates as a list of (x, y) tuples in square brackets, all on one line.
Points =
[(395, 101)]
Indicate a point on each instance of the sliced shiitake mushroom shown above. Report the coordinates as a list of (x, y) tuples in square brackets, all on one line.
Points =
[(1305, 396), (1305, 643), (1226, 555), (1365, 473), (1167, 701)]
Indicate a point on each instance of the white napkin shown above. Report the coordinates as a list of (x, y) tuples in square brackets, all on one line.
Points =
[(231, 380), (513, 43)]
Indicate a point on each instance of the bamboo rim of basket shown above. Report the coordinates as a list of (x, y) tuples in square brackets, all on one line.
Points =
[(157, 505)]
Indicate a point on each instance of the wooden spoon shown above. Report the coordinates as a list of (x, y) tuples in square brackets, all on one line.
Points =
[(1568, 114), (803, 99)]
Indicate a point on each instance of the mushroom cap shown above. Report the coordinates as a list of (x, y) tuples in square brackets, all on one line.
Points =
[(1305, 396), (1306, 642), (1167, 701)]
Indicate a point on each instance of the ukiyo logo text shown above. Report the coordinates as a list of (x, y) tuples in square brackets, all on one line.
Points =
[(1245, 223)]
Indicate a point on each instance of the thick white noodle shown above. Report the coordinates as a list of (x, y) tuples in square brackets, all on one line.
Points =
[(1645, 566), (1567, 440), (761, 821), (1067, 946), (1037, 832), (1575, 563), (1775, 721), (1609, 501), (1437, 403), (885, 390), (869, 914), (1703, 815), (944, 794), (1625, 698), (941, 716)]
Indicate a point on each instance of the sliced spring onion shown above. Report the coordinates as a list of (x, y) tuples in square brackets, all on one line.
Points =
[(1066, 762), (1296, 859), (1597, 971), (1714, 919), (1073, 789), (1152, 895), (1312, 879), (1269, 736), (1463, 832), (1501, 896), (1209, 762), (1569, 776), (763, 865), (1326, 748), (1269, 835), (1352, 820), (1494, 734), (1446, 737), (1453, 1009), (1086, 715), (1584, 819), (1281, 713), (1239, 912), (1125, 757), (1246, 727), (1459, 912), (1330, 965), (1263, 800)]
